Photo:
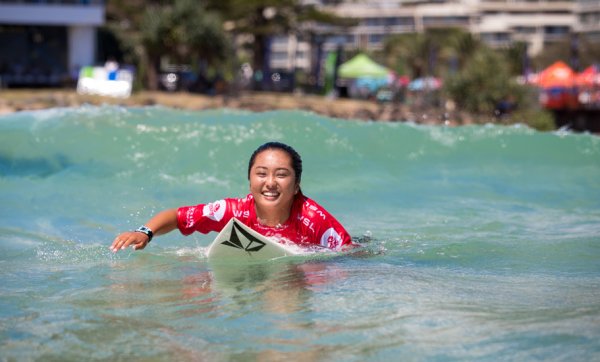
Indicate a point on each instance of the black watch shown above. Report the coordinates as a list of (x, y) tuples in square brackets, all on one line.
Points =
[(145, 230)]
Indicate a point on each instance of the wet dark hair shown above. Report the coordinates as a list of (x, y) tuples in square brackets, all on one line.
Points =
[(296, 159)]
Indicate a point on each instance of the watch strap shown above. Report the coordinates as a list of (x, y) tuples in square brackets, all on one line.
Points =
[(145, 230)]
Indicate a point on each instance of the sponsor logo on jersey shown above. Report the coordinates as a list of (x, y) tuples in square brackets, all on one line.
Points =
[(316, 210), (189, 217), (250, 244), (331, 239), (241, 214), (214, 210), (307, 222)]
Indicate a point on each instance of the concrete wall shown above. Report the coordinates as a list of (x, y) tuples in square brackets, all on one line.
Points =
[(49, 14), (82, 46)]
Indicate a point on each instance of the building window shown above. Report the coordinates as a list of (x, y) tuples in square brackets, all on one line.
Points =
[(373, 22), (525, 29), (495, 38), (279, 40), (446, 20), (279, 56), (376, 39), (37, 54), (336, 39), (556, 30), (590, 18)]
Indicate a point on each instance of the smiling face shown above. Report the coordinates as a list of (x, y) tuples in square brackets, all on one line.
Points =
[(273, 185)]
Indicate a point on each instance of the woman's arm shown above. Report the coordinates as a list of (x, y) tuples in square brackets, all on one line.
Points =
[(162, 223)]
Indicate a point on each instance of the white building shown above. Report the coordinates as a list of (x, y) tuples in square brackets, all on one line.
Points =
[(499, 23), (42, 42), (537, 23), (588, 14)]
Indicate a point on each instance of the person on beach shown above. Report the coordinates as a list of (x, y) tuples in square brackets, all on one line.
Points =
[(275, 208)]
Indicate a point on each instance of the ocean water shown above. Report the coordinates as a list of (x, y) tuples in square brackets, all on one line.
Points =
[(484, 241)]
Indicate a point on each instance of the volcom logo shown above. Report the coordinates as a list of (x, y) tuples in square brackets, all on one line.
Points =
[(234, 241)]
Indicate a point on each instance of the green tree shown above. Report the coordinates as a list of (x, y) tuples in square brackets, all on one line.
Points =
[(182, 29), (484, 81), (476, 77), (405, 53), (433, 53), (122, 23), (261, 19), (516, 56)]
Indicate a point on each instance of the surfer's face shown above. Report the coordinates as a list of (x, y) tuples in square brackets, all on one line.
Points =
[(273, 181)]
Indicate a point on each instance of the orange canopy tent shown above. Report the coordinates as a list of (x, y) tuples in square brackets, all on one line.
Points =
[(558, 84), (588, 78), (558, 75)]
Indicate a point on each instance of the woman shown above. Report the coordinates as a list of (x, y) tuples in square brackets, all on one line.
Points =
[(275, 207)]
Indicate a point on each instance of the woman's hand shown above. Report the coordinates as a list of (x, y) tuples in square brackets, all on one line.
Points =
[(162, 223), (130, 238)]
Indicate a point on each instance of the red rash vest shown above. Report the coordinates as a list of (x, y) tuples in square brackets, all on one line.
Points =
[(309, 223)]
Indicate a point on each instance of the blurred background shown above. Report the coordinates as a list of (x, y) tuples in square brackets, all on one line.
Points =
[(531, 61)]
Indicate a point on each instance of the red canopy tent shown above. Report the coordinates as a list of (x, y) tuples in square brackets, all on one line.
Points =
[(588, 78), (588, 86)]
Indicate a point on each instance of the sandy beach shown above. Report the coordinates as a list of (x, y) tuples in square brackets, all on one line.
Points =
[(15, 100)]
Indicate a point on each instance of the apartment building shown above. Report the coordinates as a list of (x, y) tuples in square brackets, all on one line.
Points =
[(588, 15), (537, 22), (497, 22), (43, 42)]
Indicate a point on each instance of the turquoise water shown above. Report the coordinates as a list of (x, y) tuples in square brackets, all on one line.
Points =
[(485, 241)]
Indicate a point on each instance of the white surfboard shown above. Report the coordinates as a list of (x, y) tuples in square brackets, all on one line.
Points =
[(238, 242)]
